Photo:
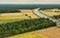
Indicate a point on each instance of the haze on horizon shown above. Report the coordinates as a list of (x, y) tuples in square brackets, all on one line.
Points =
[(29, 1)]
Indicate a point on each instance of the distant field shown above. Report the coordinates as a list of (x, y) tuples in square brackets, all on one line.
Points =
[(48, 13), (11, 17), (29, 13), (29, 35)]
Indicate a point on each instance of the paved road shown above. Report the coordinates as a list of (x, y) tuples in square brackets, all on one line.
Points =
[(36, 11)]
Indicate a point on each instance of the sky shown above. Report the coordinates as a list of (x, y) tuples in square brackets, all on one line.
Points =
[(29, 1)]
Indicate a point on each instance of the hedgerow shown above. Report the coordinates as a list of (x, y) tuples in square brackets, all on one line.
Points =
[(19, 27)]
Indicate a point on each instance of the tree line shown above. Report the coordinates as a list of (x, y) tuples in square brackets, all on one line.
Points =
[(9, 10), (23, 26)]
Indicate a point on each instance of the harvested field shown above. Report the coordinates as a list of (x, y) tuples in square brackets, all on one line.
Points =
[(29, 35), (52, 32), (11, 17), (49, 13), (29, 13)]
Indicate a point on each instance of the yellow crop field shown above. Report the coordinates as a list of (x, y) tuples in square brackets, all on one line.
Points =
[(49, 13), (53, 32), (29, 13), (11, 17), (29, 35)]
